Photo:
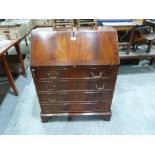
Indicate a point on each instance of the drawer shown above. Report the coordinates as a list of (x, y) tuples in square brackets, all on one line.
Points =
[(60, 108), (50, 73), (55, 98), (74, 85)]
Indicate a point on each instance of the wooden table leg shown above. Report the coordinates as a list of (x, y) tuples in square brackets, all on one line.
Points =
[(6, 53), (149, 46), (9, 75), (26, 41), (20, 59), (130, 42)]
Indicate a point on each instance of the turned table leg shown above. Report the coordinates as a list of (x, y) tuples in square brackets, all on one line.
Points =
[(9, 75), (20, 59)]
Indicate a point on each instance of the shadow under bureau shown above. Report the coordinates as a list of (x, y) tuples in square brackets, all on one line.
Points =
[(74, 72)]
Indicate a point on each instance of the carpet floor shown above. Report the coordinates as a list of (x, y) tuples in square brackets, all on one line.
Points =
[(133, 108)]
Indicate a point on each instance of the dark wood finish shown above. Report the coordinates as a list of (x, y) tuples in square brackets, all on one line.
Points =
[(83, 84), (45, 119), (14, 65), (74, 72), (57, 48), (143, 35), (7, 71), (8, 74), (4, 49), (134, 55), (20, 59), (75, 108), (26, 41)]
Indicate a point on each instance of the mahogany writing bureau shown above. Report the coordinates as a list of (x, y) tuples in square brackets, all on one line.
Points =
[(74, 72)]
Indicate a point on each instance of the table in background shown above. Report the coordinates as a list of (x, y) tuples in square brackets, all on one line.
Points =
[(123, 26), (3, 50)]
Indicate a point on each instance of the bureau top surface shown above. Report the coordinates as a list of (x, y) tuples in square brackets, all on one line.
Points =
[(59, 48)]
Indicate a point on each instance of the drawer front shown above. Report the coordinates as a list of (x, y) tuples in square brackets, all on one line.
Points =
[(50, 73), (55, 98), (74, 85), (98, 107)]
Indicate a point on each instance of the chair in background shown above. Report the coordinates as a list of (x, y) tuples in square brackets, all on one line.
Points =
[(143, 35), (86, 22), (62, 23)]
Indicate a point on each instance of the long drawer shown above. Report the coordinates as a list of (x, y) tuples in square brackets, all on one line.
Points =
[(97, 107), (54, 98), (72, 72), (57, 85)]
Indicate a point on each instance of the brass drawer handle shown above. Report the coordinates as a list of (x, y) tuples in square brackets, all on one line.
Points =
[(100, 88), (96, 76), (53, 75)]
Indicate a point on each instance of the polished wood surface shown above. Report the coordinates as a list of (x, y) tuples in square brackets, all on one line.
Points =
[(89, 48), (74, 77), (9, 44)]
